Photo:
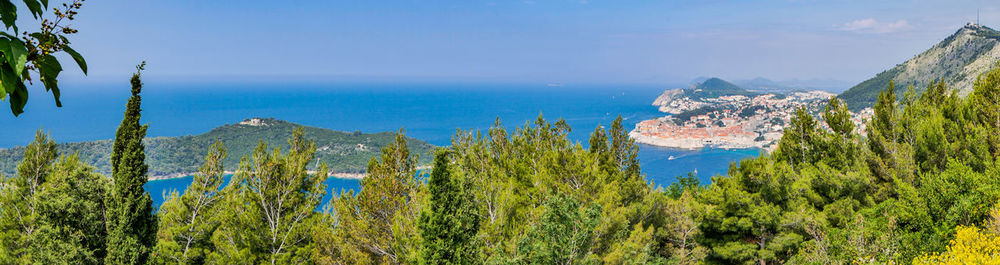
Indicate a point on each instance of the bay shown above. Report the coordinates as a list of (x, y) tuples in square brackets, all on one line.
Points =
[(424, 110)]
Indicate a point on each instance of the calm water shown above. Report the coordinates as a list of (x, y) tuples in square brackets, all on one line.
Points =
[(428, 111)]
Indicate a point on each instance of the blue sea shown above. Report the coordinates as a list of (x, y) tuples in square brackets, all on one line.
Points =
[(431, 111)]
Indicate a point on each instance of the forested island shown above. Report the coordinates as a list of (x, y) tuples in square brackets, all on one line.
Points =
[(345, 153)]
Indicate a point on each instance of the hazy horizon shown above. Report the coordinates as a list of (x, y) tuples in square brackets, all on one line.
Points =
[(645, 42)]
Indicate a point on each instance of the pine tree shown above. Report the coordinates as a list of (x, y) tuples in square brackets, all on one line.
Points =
[(450, 225), (798, 145), (18, 201), (270, 206), (838, 117), (71, 209), (377, 224), (625, 152), (130, 222), (187, 221), (51, 212)]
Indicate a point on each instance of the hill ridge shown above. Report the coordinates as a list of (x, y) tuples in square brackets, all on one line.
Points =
[(957, 60)]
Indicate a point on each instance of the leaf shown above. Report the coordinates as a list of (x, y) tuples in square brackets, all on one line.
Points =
[(8, 14), (35, 8), (48, 70), (18, 56), (18, 99), (77, 57), (7, 79), (4, 46)]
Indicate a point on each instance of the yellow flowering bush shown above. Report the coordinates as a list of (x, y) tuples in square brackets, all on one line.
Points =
[(970, 246)]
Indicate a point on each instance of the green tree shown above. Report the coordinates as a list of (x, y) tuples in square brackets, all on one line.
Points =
[(377, 225), (799, 143), (270, 206), (27, 52), (188, 221), (19, 201), (450, 223), (130, 222), (562, 235), (985, 101), (71, 207), (625, 152), (51, 212)]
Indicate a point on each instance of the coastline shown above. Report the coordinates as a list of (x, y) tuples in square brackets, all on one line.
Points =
[(729, 142), (339, 175)]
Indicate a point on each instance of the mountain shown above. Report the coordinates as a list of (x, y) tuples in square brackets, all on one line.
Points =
[(715, 87), (679, 100), (341, 151), (957, 60)]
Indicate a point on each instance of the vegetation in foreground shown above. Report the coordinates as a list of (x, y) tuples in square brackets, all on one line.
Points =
[(919, 187)]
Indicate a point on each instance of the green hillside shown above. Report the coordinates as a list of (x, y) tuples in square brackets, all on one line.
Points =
[(715, 87), (341, 151), (958, 60)]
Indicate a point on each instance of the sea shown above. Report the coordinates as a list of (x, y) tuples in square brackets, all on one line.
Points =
[(431, 111)]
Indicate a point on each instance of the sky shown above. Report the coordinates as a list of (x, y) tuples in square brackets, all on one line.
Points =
[(562, 41)]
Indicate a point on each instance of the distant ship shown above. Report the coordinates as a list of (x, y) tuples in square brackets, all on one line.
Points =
[(671, 158)]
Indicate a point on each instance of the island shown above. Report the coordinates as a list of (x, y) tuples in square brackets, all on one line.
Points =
[(346, 154)]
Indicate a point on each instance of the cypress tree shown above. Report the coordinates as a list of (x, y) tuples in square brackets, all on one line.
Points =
[(449, 226), (130, 222)]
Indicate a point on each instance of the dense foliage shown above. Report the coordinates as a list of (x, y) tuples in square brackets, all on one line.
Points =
[(52, 212), (25, 52), (341, 151)]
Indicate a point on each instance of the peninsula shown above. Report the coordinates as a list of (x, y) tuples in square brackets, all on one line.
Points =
[(716, 113)]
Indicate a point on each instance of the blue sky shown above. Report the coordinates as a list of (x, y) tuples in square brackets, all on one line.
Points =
[(565, 41)]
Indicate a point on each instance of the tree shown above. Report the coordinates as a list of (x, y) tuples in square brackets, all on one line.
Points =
[(838, 118), (270, 206), (130, 222), (377, 224), (27, 52), (450, 223), (985, 101), (51, 212), (625, 152), (71, 207), (18, 200), (799, 143), (562, 235), (188, 221)]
